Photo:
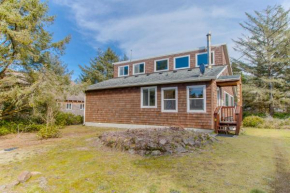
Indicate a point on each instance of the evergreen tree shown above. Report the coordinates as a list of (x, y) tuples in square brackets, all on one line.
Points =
[(100, 68), (25, 47), (265, 59)]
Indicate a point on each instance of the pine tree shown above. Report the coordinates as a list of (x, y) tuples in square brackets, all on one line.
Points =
[(265, 59), (100, 68), (25, 46)]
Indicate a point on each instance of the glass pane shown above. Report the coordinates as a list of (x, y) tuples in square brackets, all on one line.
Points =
[(227, 100), (141, 68), (126, 70), (136, 68), (161, 65), (181, 62), (169, 104), (121, 71), (145, 97), (196, 92), (196, 104), (169, 94), (152, 97), (202, 59)]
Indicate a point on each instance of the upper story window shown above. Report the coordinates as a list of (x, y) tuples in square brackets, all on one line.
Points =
[(123, 70), (196, 98), (161, 65), (149, 97), (139, 68), (69, 106), (169, 99), (181, 62), (201, 58), (82, 106)]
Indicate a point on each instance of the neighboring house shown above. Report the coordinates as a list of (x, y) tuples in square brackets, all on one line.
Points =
[(169, 90), (73, 104)]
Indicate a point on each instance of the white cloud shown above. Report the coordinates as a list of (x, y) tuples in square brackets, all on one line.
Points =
[(156, 27)]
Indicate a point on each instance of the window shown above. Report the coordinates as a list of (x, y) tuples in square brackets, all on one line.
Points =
[(232, 101), (201, 58), (82, 106), (68, 106), (161, 65), (149, 97), (139, 68), (169, 99), (181, 62), (196, 98), (123, 70), (229, 100)]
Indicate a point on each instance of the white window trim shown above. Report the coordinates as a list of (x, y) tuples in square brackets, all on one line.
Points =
[(230, 98), (134, 73), (174, 59), (161, 60), (123, 67), (142, 88), (70, 106), (162, 99), (82, 106), (196, 64), (204, 97)]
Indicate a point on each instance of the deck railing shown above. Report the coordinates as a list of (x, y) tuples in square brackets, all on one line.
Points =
[(226, 116)]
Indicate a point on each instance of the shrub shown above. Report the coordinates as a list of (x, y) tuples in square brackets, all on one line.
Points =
[(248, 114), (68, 119), (49, 132), (281, 115), (253, 121)]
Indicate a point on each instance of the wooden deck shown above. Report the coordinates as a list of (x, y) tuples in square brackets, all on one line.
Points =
[(228, 119)]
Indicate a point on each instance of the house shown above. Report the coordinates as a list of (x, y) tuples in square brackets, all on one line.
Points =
[(169, 90), (74, 104)]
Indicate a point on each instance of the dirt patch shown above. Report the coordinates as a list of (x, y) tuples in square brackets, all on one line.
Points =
[(156, 141), (282, 180)]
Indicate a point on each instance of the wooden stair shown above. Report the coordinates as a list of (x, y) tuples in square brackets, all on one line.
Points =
[(228, 119)]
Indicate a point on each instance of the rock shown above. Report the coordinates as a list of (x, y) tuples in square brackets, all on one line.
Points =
[(180, 149), (35, 173), (162, 141), (2, 187), (191, 142), (131, 151), (156, 153), (24, 176)]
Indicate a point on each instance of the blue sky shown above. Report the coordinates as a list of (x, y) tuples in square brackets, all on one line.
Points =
[(147, 27)]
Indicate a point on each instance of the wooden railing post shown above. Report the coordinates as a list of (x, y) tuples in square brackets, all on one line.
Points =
[(217, 118), (239, 117)]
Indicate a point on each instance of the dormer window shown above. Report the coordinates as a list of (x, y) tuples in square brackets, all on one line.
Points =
[(123, 71), (201, 58), (161, 65), (181, 62), (139, 68)]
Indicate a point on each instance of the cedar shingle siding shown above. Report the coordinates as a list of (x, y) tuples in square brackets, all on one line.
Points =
[(105, 104)]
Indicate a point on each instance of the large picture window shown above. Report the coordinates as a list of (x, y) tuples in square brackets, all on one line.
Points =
[(201, 58), (123, 70), (139, 68), (181, 62), (196, 98), (169, 99), (149, 97), (161, 65), (229, 100)]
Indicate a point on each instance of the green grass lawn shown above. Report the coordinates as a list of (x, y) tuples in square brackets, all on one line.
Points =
[(257, 159)]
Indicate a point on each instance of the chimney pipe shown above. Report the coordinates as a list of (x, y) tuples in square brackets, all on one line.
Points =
[(209, 49)]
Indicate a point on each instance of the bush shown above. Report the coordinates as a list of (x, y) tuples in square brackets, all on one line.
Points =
[(49, 132), (281, 115), (68, 119), (248, 114), (7, 127), (252, 121)]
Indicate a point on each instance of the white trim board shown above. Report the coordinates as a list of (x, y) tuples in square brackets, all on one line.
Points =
[(134, 126)]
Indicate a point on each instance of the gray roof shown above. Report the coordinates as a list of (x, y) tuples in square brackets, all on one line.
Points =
[(230, 77), (178, 76)]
